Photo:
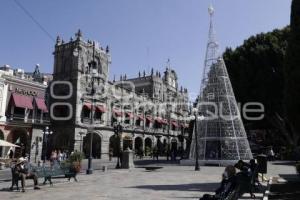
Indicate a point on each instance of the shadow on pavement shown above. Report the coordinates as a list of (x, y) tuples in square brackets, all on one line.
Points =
[(151, 162), (7, 190), (286, 190), (288, 163), (201, 187)]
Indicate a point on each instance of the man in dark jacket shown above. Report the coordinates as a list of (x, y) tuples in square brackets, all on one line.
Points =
[(22, 173)]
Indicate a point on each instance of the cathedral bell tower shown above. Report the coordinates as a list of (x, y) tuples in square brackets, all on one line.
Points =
[(75, 64)]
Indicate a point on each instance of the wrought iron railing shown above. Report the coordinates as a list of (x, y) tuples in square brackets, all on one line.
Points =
[(29, 119)]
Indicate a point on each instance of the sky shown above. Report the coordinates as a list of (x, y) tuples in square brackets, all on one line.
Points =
[(141, 33)]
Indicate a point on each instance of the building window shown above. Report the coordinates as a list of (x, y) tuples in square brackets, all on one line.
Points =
[(98, 115), (85, 112), (148, 123), (138, 122), (127, 121), (113, 120)]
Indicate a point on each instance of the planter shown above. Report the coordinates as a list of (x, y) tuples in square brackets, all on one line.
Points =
[(76, 166)]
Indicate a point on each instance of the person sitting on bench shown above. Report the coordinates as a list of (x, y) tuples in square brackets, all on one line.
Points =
[(23, 174), (228, 184)]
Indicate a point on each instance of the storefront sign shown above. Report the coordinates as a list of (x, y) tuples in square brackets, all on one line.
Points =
[(26, 92)]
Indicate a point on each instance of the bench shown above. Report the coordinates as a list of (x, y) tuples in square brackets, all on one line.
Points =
[(63, 170)]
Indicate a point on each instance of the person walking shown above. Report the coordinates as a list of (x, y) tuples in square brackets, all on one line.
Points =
[(11, 153)]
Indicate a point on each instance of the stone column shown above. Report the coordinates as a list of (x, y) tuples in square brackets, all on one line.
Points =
[(105, 144), (36, 145), (143, 144), (78, 139)]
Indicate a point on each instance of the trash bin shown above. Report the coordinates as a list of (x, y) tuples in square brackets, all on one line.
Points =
[(262, 162), (127, 159)]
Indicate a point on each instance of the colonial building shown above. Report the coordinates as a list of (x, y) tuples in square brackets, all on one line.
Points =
[(151, 108), (23, 111)]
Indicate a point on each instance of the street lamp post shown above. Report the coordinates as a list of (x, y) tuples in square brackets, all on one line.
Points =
[(46, 133), (195, 112), (81, 141), (118, 131), (182, 142), (197, 167), (169, 124)]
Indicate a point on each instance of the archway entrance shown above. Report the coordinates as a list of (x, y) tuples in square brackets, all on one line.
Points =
[(138, 146), (19, 137), (114, 145), (173, 145), (159, 146), (1, 148), (148, 146), (127, 142), (96, 146), (165, 147)]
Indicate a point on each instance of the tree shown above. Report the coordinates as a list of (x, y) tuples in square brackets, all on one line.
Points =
[(266, 69), (292, 75), (256, 72)]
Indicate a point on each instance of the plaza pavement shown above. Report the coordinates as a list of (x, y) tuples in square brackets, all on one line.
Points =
[(170, 182)]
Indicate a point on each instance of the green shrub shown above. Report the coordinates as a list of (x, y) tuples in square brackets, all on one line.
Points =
[(76, 157), (148, 151)]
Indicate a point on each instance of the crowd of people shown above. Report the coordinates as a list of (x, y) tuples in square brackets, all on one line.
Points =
[(57, 156)]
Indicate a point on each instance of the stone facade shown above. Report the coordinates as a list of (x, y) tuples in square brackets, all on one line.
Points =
[(151, 108), (3, 99), (20, 124)]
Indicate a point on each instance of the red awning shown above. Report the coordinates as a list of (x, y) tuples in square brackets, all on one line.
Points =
[(88, 105), (140, 117), (22, 101), (118, 113), (40, 103), (159, 120), (149, 118), (129, 114), (174, 124), (100, 108)]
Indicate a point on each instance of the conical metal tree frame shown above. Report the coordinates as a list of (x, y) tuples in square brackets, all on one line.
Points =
[(221, 134)]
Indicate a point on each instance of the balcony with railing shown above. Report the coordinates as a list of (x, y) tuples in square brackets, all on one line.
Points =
[(21, 118)]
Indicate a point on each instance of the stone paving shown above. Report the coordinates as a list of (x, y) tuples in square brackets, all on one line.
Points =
[(170, 182)]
